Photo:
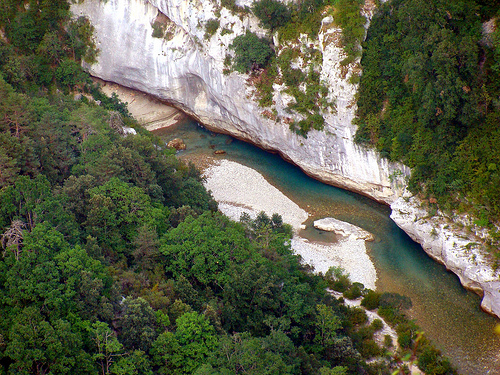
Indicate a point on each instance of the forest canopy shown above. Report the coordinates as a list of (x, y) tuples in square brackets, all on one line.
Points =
[(429, 97), (114, 258)]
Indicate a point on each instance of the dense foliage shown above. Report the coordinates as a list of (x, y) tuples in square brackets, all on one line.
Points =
[(429, 97), (251, 52), (348, 15), (114, 258), (271, 13)]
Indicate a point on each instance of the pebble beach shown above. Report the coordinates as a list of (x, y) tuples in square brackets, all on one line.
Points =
[(240, 189)]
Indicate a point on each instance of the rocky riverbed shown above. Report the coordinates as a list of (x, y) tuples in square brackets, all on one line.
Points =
[(240, 189)]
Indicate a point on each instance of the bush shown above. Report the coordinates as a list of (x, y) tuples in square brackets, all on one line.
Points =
[(337, 279), (357, 316), (231, 5), (369, 349), (391, 316), (251, 52), (432, 362), (354, 291), (158, 30), (407, 332), (348, 16), (377, 325), (211, 28), (70, 73), (388, 341), (272, 14), (371, 300)]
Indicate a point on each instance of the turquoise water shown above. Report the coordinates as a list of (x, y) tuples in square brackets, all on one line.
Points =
[(447, 313)]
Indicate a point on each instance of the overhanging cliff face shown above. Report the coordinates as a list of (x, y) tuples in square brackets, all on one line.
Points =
[(186, 70)]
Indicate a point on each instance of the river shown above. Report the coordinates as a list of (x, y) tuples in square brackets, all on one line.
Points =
[(448, 314)]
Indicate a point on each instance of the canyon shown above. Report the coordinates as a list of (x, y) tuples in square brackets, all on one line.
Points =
[(186, 69)]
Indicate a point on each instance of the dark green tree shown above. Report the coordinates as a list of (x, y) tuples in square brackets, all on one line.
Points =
[(251, 52), (138, 324), (272, 14)]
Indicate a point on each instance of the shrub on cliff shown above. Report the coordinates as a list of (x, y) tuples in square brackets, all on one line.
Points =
[(251, 52), (272, 14), (211, 28)]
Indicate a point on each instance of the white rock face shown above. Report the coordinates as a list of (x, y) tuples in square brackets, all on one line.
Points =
[(455, 249), (343, 229), (186, 70)]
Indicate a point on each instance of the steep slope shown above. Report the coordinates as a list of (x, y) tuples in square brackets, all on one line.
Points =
[(187, 70)]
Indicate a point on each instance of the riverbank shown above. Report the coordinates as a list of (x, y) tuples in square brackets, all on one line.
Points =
[(240, 189), (443, 240), (448, 314), (150, 112)]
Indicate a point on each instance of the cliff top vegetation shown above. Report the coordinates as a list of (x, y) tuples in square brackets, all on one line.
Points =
[(114, 257), (429, 97)]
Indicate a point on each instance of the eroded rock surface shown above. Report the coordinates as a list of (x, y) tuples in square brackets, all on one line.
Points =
[(456, 249), (186, 70), (343, 229)]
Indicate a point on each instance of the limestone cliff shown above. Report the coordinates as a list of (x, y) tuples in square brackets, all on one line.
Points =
[(454, 242), (186, 69)]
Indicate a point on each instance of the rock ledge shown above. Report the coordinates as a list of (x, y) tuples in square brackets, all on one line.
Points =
[(343, 229), (457, 251)]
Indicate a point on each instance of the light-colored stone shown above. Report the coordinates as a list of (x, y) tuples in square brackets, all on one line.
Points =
[(127, 130), (187, 71), (343, 229), (349, 254), (448, 245), (177, 143), (240, 186)]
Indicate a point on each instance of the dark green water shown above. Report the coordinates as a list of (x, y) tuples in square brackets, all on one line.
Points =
[(447, 313)]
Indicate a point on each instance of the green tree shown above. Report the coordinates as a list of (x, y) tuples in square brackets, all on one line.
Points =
[(327, 323), (242, 353), (38, 346), (188, 348), (202, 249), (138, 324), (272, 14), (251, 52), (115, 211), (108, 349), (197, 340), (51, 275)]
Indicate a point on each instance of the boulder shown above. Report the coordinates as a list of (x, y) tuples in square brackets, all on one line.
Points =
[(343, 229), (177, 143)]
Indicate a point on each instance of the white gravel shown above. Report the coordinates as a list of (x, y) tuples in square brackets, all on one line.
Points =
[(350, 254), (240, 189), (240, 186)]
